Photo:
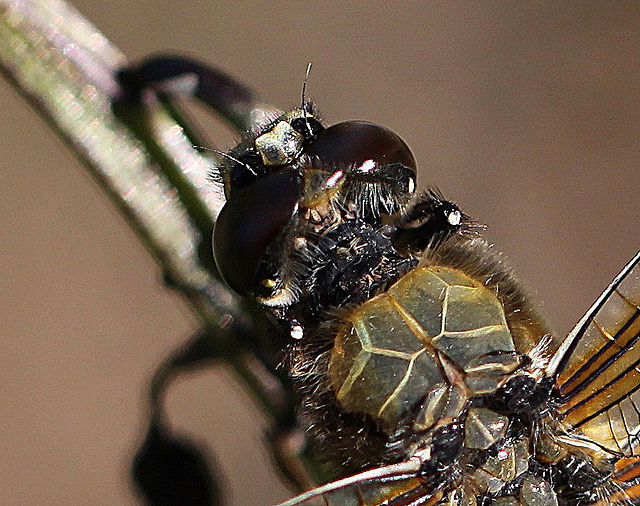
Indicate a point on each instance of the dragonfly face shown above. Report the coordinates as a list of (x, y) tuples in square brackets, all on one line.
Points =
[(294, 166), (423, 373)]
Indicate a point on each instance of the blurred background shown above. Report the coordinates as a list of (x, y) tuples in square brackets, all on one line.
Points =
[(525, 113)]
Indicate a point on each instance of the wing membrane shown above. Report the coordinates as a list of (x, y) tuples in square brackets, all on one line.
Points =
[(597, 369)]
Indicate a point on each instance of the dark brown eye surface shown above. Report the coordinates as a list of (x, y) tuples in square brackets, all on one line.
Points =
[(245, 171), (351, 143), (249, 222), (309, 126)]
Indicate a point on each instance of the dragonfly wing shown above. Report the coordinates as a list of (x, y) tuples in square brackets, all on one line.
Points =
[(597, 368)]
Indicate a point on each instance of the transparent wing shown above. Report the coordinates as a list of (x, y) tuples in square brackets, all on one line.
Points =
[(597, 368), (393, 485)]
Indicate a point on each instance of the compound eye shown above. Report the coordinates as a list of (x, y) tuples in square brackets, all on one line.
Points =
[(351, 143), (309, 127), (249, 222), (239, 174)]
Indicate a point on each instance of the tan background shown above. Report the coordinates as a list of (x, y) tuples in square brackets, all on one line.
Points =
[(526, 113)]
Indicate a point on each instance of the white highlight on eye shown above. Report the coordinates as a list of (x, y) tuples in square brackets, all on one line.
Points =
[(367, 166), (412, 185), (454, 218), (333, 179)]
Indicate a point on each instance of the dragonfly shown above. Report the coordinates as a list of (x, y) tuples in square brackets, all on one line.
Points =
[(422, 372), (438, 449)]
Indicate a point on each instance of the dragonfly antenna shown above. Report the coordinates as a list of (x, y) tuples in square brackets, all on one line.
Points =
[(304, 98), (228, 156)]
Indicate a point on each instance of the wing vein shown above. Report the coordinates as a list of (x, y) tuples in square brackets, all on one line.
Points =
[(605, 365)]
